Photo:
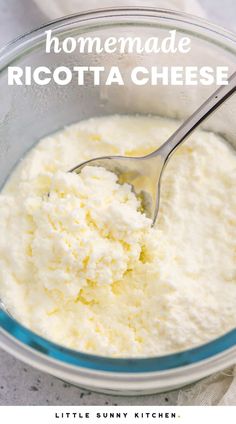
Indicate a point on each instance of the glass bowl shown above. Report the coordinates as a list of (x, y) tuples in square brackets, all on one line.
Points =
[(28, 113)]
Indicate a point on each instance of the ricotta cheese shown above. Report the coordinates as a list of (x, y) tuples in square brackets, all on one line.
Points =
[(80, 263)]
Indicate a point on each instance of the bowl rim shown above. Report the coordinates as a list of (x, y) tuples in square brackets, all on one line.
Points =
[(115, 12), (11, 330), (9, 327)]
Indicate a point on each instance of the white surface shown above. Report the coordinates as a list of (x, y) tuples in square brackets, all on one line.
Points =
[(20, 384)]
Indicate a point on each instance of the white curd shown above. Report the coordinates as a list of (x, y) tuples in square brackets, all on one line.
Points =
[(83, 267)]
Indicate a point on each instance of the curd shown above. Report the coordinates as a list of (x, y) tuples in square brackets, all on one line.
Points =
[(80, 263)]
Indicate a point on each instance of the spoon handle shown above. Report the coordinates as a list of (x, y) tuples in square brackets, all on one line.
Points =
[(211, 104)]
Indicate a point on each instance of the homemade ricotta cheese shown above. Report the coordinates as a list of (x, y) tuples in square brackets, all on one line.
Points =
[(80, 263)]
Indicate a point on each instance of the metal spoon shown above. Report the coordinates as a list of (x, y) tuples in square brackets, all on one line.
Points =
[(144, 173)]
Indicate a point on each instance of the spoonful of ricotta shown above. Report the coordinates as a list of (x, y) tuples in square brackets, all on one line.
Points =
[(144, 173)]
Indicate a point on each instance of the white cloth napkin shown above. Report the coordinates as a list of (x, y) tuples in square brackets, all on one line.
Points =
[(220, 388), (57, 8)]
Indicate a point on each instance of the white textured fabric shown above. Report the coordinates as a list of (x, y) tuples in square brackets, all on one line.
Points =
[(220, 388), (57, 8)]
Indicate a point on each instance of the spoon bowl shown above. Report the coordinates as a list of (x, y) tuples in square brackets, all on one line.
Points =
[(142, 173)]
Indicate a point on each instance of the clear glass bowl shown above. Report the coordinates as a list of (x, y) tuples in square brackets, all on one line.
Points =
[(28, 113)]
